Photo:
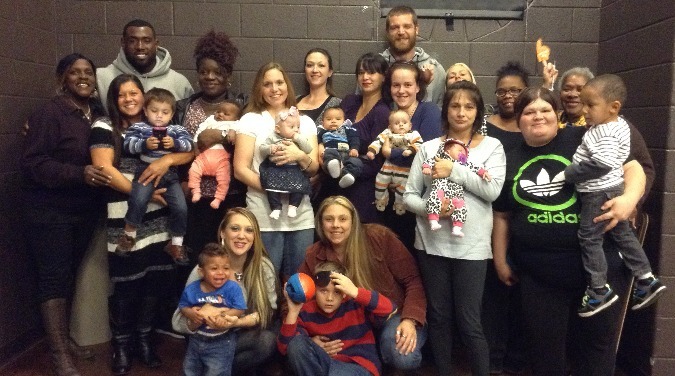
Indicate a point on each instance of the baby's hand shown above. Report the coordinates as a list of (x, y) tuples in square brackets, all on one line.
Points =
[(427, 73), (370, 155), (353, 153), (152, 143), (426, 169), (486, 175), (167, 142), (407, 152)]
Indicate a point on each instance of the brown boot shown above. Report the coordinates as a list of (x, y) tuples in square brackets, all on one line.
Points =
[(56, 326)]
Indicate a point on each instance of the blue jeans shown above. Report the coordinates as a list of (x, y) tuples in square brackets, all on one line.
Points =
[(307, 358), (210, 356), (287, 248), (175, 198), (391, 356), (591, 238)]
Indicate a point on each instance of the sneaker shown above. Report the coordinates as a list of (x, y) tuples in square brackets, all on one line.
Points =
[(596, 300), (125, 244), (333, 168), (646, 292), (346, 181), (178, 253)]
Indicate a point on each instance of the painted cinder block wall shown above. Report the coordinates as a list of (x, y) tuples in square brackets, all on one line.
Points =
[(600, 34)]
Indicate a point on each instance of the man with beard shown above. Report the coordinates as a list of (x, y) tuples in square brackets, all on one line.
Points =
[(141, 56), (402, 31)]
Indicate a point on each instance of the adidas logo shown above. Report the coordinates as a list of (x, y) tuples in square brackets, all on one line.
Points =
[(544, 186)]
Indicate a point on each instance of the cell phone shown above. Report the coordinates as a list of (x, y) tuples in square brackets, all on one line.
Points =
[(159, 132)]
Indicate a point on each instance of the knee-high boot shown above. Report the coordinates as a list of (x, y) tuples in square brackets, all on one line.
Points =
[(56, 326), (122, 320), (145, 321), (77, 351)]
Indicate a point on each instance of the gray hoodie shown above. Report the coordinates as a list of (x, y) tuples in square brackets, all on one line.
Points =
[(436, 88), (160, 76)]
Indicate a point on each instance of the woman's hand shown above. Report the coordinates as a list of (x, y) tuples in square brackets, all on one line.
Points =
[(221, 322), (95, 176), (158, 198), (330, 347), (287, 152), (617, 209), (154, 172), (442, 168), (406, 337), (506, 274)]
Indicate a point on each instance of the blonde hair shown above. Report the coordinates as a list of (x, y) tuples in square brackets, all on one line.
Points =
[(447, 72), (358, 257), (254, 278), (256, 102)]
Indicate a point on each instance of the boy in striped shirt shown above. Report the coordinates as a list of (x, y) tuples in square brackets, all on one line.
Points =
[(342, 312), (597, 171)]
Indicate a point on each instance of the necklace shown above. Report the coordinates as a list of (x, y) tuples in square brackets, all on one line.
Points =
[(238, 276), (412, 109), (467, 144), (86, 114)]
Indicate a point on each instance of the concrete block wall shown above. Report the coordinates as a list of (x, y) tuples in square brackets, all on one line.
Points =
[(28, 56), (37, 32), (637, 42)]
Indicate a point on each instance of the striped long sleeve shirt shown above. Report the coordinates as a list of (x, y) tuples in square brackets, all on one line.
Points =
[(598, 161), (352, 323), (137, 134)]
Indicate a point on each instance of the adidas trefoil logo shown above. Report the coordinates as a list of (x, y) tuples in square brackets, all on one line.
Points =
[(544, 186)]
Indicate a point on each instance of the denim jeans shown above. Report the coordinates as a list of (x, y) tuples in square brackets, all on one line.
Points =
[(141, 195), (351, 165), (307, 358), (388, 351), (287, 248), (210, 356), (591, 238)]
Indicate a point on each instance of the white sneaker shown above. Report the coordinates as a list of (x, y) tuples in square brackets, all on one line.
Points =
[(435, 226), (457, 231), (275, 214), (333, 168), (346, 181), (292, 211)]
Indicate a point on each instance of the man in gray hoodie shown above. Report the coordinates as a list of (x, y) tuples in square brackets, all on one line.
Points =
[(402, 31), (141, 56)]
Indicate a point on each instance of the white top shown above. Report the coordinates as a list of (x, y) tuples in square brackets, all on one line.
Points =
[(212, 123), (479, 194), (261, 126)]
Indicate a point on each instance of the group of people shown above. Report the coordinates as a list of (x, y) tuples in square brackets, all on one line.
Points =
[(395, 199)]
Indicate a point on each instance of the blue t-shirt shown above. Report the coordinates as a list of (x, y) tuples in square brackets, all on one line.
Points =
[(229, 295)]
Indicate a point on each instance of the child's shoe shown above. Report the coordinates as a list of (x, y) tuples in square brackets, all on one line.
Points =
[(457, 231), (399, 207), (435, 226), (292, 211), (275, 214), (178, 253), (596, 300), (380, 205), (346, 181), (333, 167), (646, 292), (125, 244)]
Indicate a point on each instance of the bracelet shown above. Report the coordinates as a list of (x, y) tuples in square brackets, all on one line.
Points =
[(310, 163)]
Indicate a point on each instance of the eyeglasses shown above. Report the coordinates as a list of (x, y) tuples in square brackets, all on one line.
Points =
[(501, 93), (322, 279)]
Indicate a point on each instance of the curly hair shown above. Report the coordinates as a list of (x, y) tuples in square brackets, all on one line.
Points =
[(219, 47), (513, 68)]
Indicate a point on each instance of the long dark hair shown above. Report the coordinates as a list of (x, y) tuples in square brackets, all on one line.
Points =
[(116, 119), (474, 94), (329, 80)]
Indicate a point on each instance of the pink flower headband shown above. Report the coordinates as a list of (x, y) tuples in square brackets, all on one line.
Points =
[(283, 115)]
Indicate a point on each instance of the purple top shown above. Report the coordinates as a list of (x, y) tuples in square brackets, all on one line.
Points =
[(362, 193), (427, 121)]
